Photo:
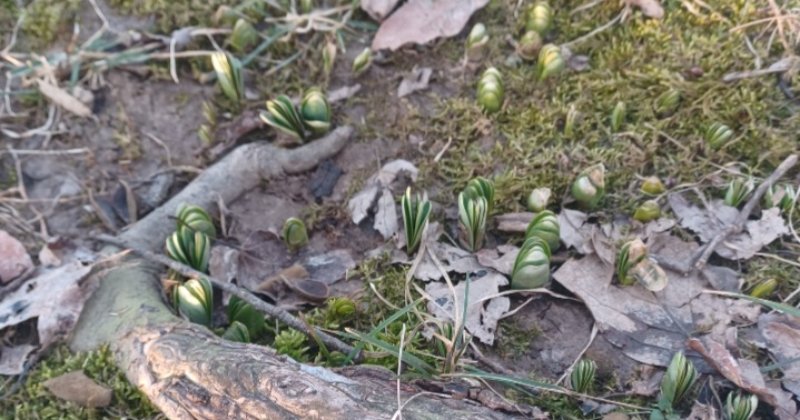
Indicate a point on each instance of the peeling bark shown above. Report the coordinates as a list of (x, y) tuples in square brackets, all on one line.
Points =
[(186, 370)]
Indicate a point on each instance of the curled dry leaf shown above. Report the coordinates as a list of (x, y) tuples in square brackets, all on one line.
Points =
[(380, 182), (386, 215), (482, 313), (55, 298), (422, 21)]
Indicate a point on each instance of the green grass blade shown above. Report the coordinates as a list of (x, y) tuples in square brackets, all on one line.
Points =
[(780, 307)]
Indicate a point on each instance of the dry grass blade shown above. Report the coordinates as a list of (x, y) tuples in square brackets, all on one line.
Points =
[(63, 99)]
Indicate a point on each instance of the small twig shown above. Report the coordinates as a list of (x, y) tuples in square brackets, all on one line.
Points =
[(596, 31), (705, 252), (245, 295)]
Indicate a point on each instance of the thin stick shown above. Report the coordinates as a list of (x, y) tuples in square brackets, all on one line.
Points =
[(245, 295), (738, 224), (596, 31)]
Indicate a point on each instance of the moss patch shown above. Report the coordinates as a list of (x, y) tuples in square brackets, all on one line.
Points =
[(44, 19), (33, 401)]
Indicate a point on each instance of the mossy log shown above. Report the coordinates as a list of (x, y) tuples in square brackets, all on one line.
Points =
[(187, 371)]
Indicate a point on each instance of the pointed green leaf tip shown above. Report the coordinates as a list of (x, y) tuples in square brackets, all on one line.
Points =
[(415, 216)]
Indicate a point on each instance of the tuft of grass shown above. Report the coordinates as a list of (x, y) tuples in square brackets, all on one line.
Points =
[(33, 401)]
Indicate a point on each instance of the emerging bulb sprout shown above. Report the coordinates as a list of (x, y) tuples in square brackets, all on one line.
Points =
[(678, 379), (629, 255), (329, 56), (647, 211), (416, 210), (476, 42), (491, 91), (551, 62), (737, 191), (538, 199), (780, 196), (316, 111), (482, 187), (652, 185), (740, 407), (717, 134), (764, 289), (539, 18), (532, 265), (294, 233), (546, 227), (618, 115), (667, 103), (582, 377), (191, 218), (243, 36), (362, 62), (240, 311), (589, 187), (472, 211), (194, 299), (229, 76), (529, 45), (237, 332), (205, 134), (282, 115), (570, 121), (190, 248)]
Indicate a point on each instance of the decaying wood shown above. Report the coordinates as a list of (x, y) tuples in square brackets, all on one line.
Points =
[(186, 370)]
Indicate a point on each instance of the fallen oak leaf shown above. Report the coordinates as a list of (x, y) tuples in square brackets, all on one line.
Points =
[(78, 388)]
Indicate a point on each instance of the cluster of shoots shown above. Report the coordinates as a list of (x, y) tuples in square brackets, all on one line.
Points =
[(740, 407), (491, 91), (590, 186), (294, 234), (581, 379), (416, 211), (206, 130), (717, 135), (677, 382), (190, 244), (362, 62), (313, 117), (246, 323), (781, 196), (634, 265), (228, 70), (737, 192), (532, 265), (649, 210), (474, 205)]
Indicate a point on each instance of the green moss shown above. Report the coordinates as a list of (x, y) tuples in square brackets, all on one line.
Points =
[(44, 19), (33, 401)]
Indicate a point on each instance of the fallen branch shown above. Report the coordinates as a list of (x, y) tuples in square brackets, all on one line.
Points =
[(269, 309)]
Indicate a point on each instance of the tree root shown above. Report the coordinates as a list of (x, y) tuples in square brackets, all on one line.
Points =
[(187, 371)]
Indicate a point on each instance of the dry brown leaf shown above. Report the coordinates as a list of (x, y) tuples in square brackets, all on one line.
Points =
[(417, 80), (422, 21), (378, 9), (482, 315), (63, 99), (708, 222), (14, 260), (782, 336), (744, 374), (386, 215), (501, 259), (453, 260), (363, 201), (78, 388), (55, 298), (650, 8)]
